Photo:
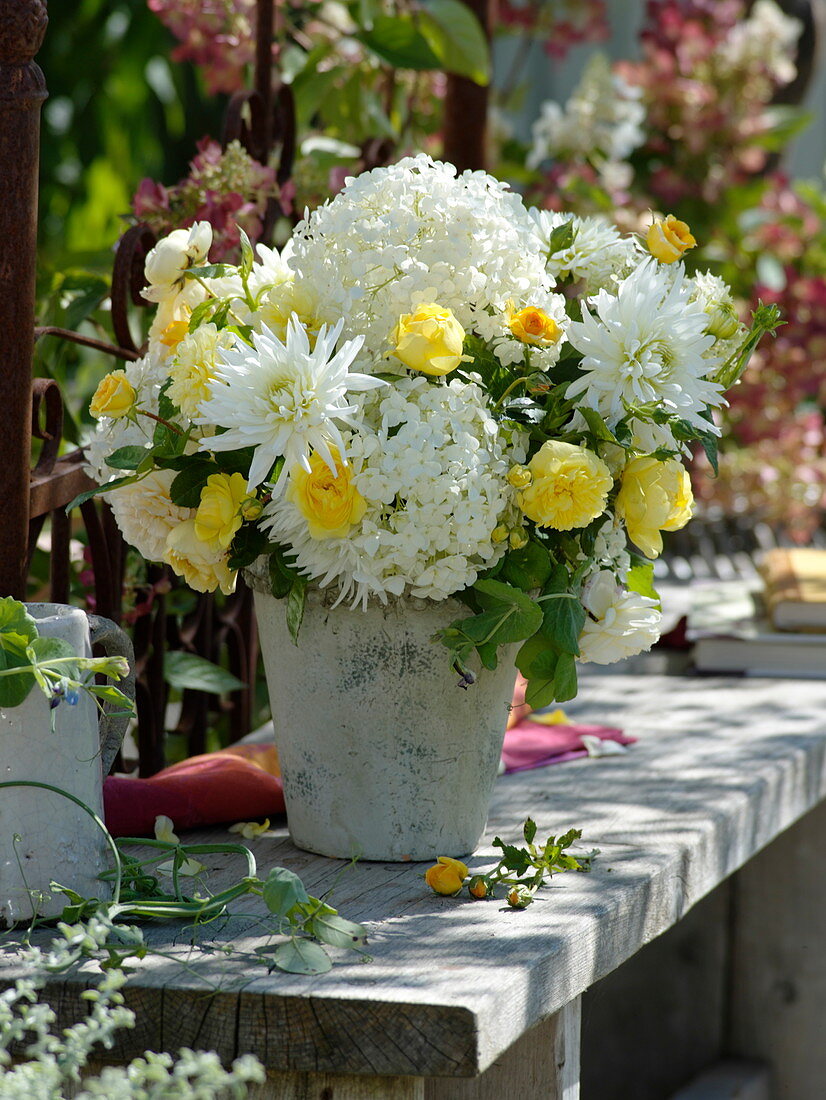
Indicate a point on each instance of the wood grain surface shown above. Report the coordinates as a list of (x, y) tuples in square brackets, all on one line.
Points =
[(721, 768)]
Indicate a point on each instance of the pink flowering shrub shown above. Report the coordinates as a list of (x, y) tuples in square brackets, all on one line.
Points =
[(216, 35), (560, 24), (227, 188)]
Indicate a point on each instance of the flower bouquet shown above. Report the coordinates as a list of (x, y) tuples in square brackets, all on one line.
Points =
[(430, 394)]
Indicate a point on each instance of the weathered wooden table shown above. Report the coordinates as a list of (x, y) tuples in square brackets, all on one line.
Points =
[(464, 999)]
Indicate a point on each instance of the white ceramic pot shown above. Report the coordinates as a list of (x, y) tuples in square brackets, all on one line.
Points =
[(43, 836), (383, 756)]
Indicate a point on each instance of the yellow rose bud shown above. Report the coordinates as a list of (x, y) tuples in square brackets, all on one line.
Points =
[(569, 486), (519, 897), (723, 321), (174, 333), (669, 239), (429, 340), (329, 501), (655, 496), (499, 534), (202, 565), (446, 876), (478, 887), (519, 477), (115, 396), (251, 508), (517, 539), (534, 326), (219, 512)]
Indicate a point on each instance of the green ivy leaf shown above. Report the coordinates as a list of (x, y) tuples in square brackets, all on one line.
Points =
[(14, 689), (295, 606), (18, 629), (302, 957), (563, 616), (186, 670), (334, 930), (566, 681), (127, 458), (518, 615), (249, 543), (527, 568), (283, 890)]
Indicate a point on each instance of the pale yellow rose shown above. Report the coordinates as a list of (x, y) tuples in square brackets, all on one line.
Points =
[(329, 502), (446, 875), (194, 367), (654, 496), (114, 397), (219, 511), (429, 340), (519, 477), (569, 486), (290, 297), (669, 239), (534, 326), (202, 567)]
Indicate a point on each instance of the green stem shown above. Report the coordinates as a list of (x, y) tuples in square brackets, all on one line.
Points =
[(87, 809), (172, 427), (516, 382)]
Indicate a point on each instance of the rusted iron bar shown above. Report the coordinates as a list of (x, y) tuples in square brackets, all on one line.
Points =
[(22, 91), (466, 109), (264, 34), (86, 342)]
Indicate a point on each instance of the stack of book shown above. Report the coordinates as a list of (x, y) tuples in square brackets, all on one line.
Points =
[(774, 626)]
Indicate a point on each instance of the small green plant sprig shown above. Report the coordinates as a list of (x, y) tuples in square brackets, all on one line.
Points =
[(50, 664), (521, 870)]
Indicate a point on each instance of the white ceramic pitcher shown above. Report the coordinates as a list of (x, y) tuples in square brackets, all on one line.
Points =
[(45, 837)]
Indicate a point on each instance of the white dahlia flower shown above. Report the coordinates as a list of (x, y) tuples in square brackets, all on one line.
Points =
[(283, 398), (619, 624), (597, 255), (646, 346)]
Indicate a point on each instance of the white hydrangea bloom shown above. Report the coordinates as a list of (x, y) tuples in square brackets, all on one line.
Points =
[(431, 465), (646, 346), (597, 255), (620, 623), (602, 118), (767, 38), (416, 232)]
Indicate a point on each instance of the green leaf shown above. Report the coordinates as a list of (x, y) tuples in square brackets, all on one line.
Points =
[(455, 36), (116, 483), (520, 616), (596, 425), (48, 649), (527, 568), (18, 629), (247, 255), (529, 830), (640, 578), (249, 543), (282, 574), (127, 458), (186, 670), (283, 890), (562, 237), (334, 930), (396, 40), (187, 486), (208, 271), (302, 957), (200, 313), (566, 681), (515, 859), (295, 606), (563, 616), (15, 688)]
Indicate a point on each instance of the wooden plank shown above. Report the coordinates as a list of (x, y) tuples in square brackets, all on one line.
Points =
[(778, 988), (730, 1080), (326, 1086), (543, 1063), (721, 767), (676, 989)]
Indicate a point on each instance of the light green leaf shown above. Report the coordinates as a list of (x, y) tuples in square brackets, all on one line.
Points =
[(334, 930), (566, 681), (127, 458), (81, 498), (302, 957), (14, 688), (186, 670), (247, 254), (295, 606), (283, 890), (455, 36), (17, 627), (640, 578)]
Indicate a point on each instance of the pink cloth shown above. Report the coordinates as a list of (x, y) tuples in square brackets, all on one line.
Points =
[(531, 745)]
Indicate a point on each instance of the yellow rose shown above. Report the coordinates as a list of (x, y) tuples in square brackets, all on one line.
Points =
[(429, 340), (329, 502), (655, 496), (115, 396), (219, 511), (196, 561), (669, 239), (519, 477), (534, 326), (569, 486), (446, 876)]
